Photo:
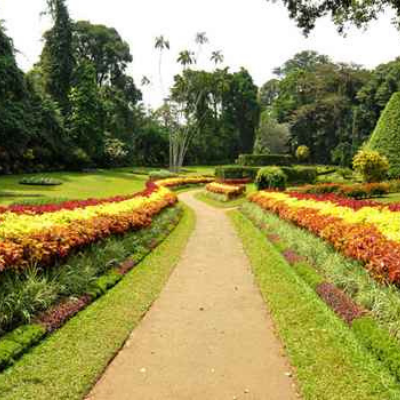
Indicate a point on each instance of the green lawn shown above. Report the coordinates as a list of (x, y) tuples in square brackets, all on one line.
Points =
[(76, 185), (68, 363), (390, 198), (329, 362)]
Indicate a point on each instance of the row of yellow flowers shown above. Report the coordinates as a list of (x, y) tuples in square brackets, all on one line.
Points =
[(369, 234), (42, 237)]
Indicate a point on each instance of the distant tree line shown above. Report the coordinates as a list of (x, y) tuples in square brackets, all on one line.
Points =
[(330, 107)]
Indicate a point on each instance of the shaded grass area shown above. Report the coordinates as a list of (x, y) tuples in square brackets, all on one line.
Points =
[(330, 364), (390, 198), (69, 362)]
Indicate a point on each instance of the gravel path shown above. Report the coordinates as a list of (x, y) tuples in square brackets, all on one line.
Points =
[(209, 335)]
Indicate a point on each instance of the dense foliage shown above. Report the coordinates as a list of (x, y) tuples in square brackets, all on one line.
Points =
[(342, 12), (371, 165), (271, 178), (386, 137)]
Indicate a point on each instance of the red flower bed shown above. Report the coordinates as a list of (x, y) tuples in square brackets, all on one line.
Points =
[(340, 303), (362, 242), (58, 315)]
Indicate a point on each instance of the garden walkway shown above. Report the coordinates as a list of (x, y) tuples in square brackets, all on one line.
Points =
[(208, 336)]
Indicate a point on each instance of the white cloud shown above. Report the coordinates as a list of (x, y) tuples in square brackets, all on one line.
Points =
[(255, 34)]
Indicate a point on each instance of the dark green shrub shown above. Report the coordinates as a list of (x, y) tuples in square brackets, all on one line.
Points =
[(40, 181), (386, 137), (271, 178), (236, 172), (379, 342), (260, 160), (300, 175)]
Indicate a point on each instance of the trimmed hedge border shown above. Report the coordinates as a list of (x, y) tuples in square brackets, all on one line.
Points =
[(19, 341), (263, 160), (367, 331)]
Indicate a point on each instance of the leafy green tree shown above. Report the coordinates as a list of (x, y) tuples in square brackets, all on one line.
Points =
[(268, 93), (373, 97), (104, 48), (243, 109), (85, 120), (271, 136), (342, 12), (320, 103), (304, 61), (386, 136), (57, 59)]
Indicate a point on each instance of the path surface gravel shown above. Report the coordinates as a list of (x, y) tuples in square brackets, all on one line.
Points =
[(209, 335)]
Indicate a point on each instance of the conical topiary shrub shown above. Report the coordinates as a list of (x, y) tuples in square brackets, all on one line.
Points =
[(386, 137)]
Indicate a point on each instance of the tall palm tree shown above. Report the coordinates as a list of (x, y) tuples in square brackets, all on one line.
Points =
[(201, 39), (186, 57), (161, 44), (217, 57), (145, 81)]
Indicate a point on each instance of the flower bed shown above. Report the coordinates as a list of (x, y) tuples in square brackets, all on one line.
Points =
[(43, 238), (370, 234), (184, 181), (356, 191), (229, 192)]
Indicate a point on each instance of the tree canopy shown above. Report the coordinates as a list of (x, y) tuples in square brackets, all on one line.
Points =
[(342, 12)]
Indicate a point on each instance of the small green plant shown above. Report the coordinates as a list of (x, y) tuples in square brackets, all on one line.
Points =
[(302, 153), (372, 166), (40, 181), (271, 178)]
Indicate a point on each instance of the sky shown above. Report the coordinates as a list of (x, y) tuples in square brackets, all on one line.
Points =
[(255, 34)]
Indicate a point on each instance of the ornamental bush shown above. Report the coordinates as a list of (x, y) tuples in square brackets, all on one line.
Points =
[(303, 153), (386, 137), (271, 178), (300, 175), (372, 166)]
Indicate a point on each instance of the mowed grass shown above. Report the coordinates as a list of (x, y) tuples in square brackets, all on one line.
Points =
[(79, 185), (329, 362), (67, 364), (76, 185)]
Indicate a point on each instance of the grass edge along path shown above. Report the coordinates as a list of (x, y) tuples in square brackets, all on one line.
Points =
[(219, 204), (329, 362), (69, 362)]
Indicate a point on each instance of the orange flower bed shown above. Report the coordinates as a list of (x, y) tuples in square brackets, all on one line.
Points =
[(229, 191), (368, 234)]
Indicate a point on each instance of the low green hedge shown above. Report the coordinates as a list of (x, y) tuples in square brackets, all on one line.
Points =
[(236, 172), (379, 342), (300, 175), (18, 341), (261, 160)]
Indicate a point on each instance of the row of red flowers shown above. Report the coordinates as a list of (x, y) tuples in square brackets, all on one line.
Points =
[(363, 242)]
